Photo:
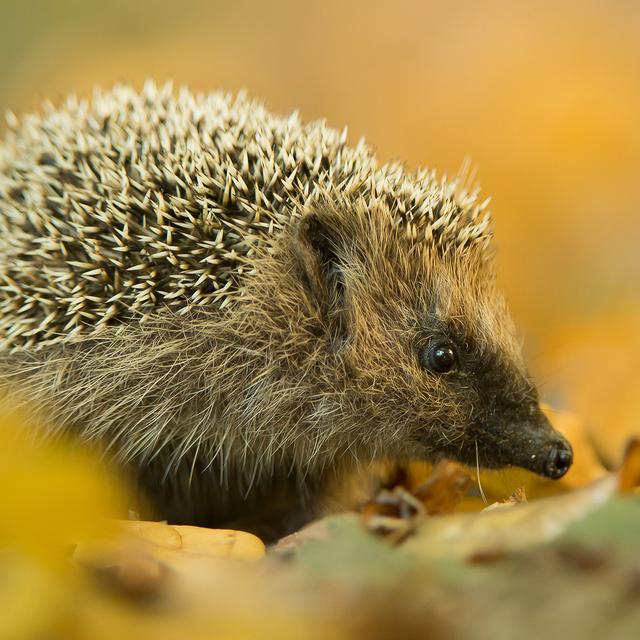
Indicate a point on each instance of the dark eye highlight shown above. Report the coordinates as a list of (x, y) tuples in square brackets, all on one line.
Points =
[(439, 357)]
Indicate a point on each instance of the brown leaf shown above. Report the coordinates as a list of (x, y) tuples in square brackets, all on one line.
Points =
[(446, 487)]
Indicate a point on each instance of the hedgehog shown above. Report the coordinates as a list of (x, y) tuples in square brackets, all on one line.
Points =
[(242, 309)]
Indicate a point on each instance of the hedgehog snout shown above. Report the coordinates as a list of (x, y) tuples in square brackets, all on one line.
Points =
[(559, 460), (548, 453)]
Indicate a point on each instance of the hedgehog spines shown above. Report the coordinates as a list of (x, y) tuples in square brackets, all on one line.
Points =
[(113, 208)]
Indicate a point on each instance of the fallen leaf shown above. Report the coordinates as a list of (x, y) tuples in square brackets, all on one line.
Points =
[(629, 475), (314, 531), (220, 543), (215, 543), (517, 497), (158, 533), (496, 530), (446, 487)]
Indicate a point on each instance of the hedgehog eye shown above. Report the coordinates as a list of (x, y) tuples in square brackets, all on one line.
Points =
[(440, 357)]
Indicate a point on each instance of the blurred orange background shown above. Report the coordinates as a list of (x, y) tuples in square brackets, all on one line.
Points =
[(542, 97)]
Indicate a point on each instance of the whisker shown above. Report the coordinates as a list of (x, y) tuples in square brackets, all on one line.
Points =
[(484, 498)]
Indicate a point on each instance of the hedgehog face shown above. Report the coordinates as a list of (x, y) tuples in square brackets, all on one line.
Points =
[(497, 417), (433, 365)]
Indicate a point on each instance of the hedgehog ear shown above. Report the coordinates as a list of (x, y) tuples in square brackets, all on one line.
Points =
[(321, 270)]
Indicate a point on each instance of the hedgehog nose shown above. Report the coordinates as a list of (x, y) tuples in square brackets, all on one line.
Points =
[(559, 460)]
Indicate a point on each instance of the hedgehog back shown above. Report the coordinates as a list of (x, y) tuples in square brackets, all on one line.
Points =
[(113, 208)]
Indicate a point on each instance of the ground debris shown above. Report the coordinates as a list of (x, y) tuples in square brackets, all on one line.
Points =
[(431, 570), (396, 512)]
